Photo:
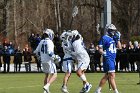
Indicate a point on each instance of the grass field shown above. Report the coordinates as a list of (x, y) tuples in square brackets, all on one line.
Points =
[(33, 83)]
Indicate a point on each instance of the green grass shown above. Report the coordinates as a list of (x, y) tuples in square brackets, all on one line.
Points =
[(33, 83)]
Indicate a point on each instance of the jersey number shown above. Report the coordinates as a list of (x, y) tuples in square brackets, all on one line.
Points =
[(112, 48), (44, 48)]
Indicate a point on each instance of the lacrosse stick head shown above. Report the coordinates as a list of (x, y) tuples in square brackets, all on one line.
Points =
[(63, 36), (75, 11), (57, 59)]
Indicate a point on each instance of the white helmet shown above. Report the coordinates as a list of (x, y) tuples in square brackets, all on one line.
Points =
[(75, 32), (136, 43), (63, 35), (111, 26), (110, 29), (50, 33)]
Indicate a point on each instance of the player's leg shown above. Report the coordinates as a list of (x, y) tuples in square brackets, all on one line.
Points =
[(81, 74), (65, 82), (46, 79), (67, 68), (66, 78), (104, 78), (53, 75), (112, 81), (102, 83)]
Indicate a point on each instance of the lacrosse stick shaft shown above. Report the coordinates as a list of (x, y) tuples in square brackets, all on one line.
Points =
[(71, 22), (109, 83)]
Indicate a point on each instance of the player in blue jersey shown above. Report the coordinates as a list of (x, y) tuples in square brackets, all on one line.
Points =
[(107, 47)]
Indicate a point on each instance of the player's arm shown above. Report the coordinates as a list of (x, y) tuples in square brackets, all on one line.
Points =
[(37, 49), (100, 46), (119, 46), (50, 52), (50, 49), (101, 51), (117, 39)]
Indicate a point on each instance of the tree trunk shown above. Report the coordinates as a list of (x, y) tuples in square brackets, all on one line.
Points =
[(15, 24), (5, 19)]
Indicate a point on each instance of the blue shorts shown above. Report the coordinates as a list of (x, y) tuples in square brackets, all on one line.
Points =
[(108, 64)]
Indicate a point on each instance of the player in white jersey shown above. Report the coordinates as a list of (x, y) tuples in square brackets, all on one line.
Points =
[(48, 58), (67, 66), (81, 55)]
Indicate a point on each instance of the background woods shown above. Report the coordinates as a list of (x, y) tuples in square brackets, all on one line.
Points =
[(20, 18)]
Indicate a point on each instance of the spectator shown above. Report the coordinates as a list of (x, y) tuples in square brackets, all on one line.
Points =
[(5, 43), (1, 48), (58, 50), (117, 59), (124, 64), (131, 57), (17, 59), (91, 52), (11, 48), (27, 59), (0, 60), (138, 60), (32, 41), (137, 55), (6, 58), (38, 62), (97, 58), (37, 40)]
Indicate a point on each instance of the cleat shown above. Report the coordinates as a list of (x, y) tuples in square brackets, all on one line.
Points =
[(86, 88), (64, 89), (82, 90), (46, 89)]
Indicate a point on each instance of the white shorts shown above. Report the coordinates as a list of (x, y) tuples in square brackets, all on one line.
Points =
[(83, 65), (49, 67), (67, 66)]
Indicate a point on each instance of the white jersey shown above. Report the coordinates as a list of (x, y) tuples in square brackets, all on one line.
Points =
[(67, 47), (67, 65), (46, 48), (81, 54)]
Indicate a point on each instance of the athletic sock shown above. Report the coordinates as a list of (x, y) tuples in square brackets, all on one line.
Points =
[(47, 85), (83, 77), (64, 86), (98, 89)]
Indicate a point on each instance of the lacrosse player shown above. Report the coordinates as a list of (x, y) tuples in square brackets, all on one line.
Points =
[(81, 55), (48, 58), (107, 47), (67, 66)]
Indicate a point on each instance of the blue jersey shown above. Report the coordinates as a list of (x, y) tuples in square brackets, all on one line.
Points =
[(109, 47)]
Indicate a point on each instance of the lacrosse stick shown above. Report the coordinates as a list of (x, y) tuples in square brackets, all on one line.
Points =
[(74, 13), (108, 82), (97, 29)]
